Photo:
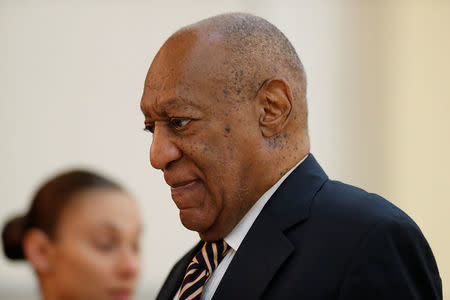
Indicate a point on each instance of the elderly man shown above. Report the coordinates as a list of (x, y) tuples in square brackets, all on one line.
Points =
[(225, 99)]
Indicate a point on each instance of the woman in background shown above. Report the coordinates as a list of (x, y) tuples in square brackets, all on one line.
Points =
[(81, 236)]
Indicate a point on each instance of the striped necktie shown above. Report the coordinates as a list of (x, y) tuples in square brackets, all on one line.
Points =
[(200, 268)]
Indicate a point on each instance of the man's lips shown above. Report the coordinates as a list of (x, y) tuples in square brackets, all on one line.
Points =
[(182, 184), (186, 194)]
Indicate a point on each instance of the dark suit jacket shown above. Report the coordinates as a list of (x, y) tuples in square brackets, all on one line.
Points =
[(322, 239)]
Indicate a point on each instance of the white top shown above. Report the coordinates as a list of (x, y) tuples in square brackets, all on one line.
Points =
[(237, 235)]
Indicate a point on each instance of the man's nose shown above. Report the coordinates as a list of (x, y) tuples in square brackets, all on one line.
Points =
[(163, 150)]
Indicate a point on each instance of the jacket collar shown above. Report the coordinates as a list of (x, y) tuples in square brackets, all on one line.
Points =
[(265, 247)]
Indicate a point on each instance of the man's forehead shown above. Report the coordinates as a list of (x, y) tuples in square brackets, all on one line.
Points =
[(188, 70), (159, 102), (189, 49), (178, 48)]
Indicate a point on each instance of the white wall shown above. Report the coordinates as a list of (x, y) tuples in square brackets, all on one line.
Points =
[(71, 77)]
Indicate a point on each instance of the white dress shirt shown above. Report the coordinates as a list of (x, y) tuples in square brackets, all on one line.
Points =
[(236, 236)]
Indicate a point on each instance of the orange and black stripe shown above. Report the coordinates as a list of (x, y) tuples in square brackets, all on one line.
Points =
[(200, 268)]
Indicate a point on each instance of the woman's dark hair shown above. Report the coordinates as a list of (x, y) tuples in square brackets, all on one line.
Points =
[(47, 205)]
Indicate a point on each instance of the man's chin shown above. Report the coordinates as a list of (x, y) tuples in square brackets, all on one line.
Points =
[(192, 219), (203, 226)]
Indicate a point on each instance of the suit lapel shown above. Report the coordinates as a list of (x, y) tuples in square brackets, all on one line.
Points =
[(265, 247), (256, 262)]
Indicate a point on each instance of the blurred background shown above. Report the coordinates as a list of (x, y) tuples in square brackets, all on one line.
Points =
[(72, 74)]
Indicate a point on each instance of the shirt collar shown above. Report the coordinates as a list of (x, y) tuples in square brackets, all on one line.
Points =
[(237, 235)]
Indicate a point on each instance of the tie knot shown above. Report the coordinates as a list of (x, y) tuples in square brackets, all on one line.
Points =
[(210, 255), (200, 268)]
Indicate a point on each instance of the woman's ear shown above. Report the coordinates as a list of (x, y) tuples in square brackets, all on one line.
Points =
[(37, 248), (275, 104)]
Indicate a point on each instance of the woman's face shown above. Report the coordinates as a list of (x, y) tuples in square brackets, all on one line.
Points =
[(95, 251)]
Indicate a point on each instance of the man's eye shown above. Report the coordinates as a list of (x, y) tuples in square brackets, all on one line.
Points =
[(179, 123), (150, 128)]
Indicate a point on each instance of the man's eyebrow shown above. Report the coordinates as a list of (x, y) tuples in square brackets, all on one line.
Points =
[(161, 107), (144, 110), (178, 102)]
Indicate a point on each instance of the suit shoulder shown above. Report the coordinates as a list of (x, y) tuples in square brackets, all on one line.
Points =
[(396, 248), (351, 204)]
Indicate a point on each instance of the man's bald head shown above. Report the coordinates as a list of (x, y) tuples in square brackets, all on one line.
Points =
[(254, 51), (255, 46)]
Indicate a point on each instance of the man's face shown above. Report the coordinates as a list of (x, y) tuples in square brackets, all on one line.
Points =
[(205, 142)]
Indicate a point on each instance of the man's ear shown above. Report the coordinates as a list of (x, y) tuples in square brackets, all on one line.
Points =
[(38, 250), (275, 104)]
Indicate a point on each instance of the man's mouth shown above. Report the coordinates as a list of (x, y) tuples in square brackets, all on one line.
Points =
[(183, 184), (187, 194)]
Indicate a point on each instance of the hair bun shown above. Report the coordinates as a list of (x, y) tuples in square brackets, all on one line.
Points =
[(12, 236)]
